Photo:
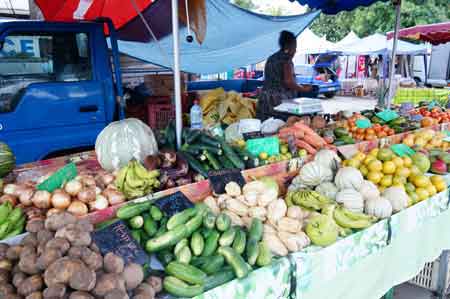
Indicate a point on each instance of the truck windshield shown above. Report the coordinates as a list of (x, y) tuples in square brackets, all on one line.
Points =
[(41, 58)]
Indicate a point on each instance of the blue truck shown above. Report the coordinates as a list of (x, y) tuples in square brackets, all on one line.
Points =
[(60, 85)]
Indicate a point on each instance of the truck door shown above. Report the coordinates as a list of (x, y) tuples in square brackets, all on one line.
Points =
[(51, 98)]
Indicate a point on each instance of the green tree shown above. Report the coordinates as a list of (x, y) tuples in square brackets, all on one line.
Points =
[(246, 4), (380, 17)]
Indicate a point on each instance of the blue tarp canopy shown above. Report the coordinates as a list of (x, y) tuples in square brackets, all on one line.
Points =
[(333, 7), (235, 37)]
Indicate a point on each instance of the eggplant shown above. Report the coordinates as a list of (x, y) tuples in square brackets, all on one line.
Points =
[(168, 157), (152, 162), (179, 170)]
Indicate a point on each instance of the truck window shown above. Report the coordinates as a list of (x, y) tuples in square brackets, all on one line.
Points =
[(41, 58)]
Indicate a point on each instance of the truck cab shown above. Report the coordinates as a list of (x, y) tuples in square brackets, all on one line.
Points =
[(57, 89)]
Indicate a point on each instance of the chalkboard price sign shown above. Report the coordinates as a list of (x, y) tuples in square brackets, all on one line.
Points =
[(173, 203), (220, 178), (116, 238)]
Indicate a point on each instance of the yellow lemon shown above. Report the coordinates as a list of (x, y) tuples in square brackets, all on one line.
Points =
[(407, 162), (398, 161), (410, 188), (421, 181), (422, 193), (440, 186), (399, 180), (345, 163), (363, 169), (354, 163), (359, 156), (437, 179), (402, 171), (368, 159), (386, 181), (389, 167), (414, 197), (431, 190), (381, 189), (374, 152), (401, 186), (375, 166), (374, 176), (263, 155), (415, 171)]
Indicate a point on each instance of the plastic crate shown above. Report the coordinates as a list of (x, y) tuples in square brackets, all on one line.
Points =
[(159, 115), (428, 277)]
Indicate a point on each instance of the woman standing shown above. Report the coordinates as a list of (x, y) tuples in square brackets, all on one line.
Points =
[(279, 81)]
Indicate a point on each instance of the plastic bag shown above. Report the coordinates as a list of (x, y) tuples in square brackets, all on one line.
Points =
[(271, 125), (232, 133)]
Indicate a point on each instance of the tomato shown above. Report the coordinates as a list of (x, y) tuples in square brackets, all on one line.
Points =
[(426, 113), (434, 114), (381, 134), (391, 132), (370, 132), (360, 131)]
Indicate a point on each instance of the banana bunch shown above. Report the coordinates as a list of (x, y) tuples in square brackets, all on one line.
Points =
[(328, 210), (353, 220), (308, 199), (134, 180)]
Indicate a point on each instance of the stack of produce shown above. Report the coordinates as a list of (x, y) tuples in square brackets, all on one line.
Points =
[(387, 171), (133, 180), (78, 196), (264, 158), (12, 221), (440, 161), (426, 139), (7, 160), (226, 107), (198, 249), (429, 117), (58, 259), (283, 226)]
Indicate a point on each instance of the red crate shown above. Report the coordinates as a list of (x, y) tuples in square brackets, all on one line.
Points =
[(159, 115)]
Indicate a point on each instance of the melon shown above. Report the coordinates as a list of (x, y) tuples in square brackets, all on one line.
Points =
[(7, 159)]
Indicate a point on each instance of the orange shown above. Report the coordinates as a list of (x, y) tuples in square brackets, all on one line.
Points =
[(422, 193), (407, 162), (389, 167), (375, 166), (386, 181), (375, 177)]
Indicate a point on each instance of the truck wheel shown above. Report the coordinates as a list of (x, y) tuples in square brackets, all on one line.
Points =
[(329, 95)]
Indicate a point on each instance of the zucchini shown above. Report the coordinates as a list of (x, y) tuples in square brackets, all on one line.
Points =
[(186, 273), (167, 239), (223, 222), (192, 135), (162, 227), (184, 255), (240, 241), (201, 147), (144, 236), (165, 256), (264, 256), (199, 261), (197, 243), (150, 226), (256, 230), (211, 141), (211, 243), (137, 222), (194, 224), (196, 165), (236, 261), (177, 287), (212, 160), (226, 163), (180, 218), (136, 234), (156, 213), (219, 278), (134, 209), (234, 158), (213, 264), (191, 150), (252, 251), (227, 238), (209, 221), (180, 245)]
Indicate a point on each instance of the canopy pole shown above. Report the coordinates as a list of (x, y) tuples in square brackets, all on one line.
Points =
[(398, 9), (176, 71)]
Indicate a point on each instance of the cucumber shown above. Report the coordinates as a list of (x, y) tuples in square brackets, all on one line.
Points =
[(194, 224), (180, 245), (226, 163), (240, 241), (106, 223), (193, 163), (137, 222), (212, 160), (177, 287), (264, 256), (234, 158), (206, 232), (209, 221), (197, 243), (211, 244), (199, 261), (213, 264), (165, 256), (227, 238), (156, 213), (150, 226), (252, 251), (218, 279), (144, 236), (136, 234), (192, 135), (186, 273), (256, 230), (201, 147), (180, 218), (184, 255), (223, 222), (167, 239), (162, 227), (191, 150), (211, 141), (134, 209), (236, 261)]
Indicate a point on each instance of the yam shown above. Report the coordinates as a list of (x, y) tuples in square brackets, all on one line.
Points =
[(155, 282), (61, 271), (28, 263), (5, 276), (108, 282), (85, 225), (13, 252), (75, 251), (3, 249), (116, 294), (30, 239), (92, 259), (60, 220), (35, 225), (74, 235), (31, 284), (133, 275), (83, 279), (113, 263), (61, 244), (44, 236), (6, 290), (18, 278), (47, 258), (35, 295), (80, 295), (145, 289)]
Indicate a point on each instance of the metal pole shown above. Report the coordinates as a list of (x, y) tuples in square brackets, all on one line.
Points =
[(176, 71), (398, 9)]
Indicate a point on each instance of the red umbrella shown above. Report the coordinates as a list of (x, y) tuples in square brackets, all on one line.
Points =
[(434, 33)]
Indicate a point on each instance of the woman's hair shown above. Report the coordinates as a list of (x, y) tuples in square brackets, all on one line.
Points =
[(286, 39)]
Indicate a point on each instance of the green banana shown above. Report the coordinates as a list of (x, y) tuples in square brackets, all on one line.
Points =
[(342, 219), (4, 230), (5, 210), (120, 178), (359, 216)]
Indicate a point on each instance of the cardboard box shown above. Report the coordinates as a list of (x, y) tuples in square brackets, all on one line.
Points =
[(163, 85)]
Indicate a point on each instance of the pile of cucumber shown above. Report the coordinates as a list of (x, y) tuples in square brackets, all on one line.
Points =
[(205, 153), (198, 249)]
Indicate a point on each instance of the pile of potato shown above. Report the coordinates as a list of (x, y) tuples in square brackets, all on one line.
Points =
[(58, 259)]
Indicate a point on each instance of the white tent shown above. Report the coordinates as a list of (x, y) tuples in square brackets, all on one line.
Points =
[(309, 43), (350, 38)]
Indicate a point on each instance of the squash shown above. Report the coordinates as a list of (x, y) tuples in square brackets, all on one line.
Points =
[(397, 197), (7, 159), (122, 141), (378, 207), (313, 174), (369, 190), (351, 199), (328, 189), (328, 158), (348, 178)]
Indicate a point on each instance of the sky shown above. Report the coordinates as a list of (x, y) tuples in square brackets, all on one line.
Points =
[(286, 5)]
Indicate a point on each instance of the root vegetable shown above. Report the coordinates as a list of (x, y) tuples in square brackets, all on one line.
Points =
[(75, 251), (145, 289), (60, 199), (61, 271), (13, 252), (35, 225), (40, 199), (11, 189), (106, 179), (52, 212), (6, 290), (5, 265), (28, 263), (155, 282), (59, 220), (44, 236), (74, 235), (86, 195), (235, 219), (114, 197), (73, 187), (30, 240), (47, 258), (113, 263), (55, 291), (212, 204), (85, 225), (116, 294), (3, 249), (8, 197), (88, 180), (83, 279), (35, 295), (78, 208), (80, 295), (100, 203), (31, 284), (18, 278), (108, 282), (4, 276), (92, 259), (133, 275), (59, 244), (26, 196)]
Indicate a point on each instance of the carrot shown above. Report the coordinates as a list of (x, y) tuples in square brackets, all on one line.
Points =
[(306, 146), (315, 141), (304, 128), (299, 134)]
